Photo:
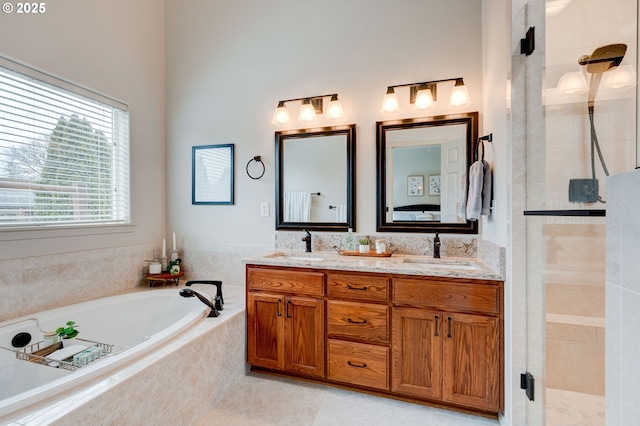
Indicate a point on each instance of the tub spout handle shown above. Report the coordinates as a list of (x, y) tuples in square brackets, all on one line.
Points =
[(186, 292), (218, 300)]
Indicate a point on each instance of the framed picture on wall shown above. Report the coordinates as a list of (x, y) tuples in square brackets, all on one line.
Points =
[(415, 186), (434, 185), (212, 174)]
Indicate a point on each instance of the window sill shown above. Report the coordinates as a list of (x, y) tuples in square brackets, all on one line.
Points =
[(49, 231)]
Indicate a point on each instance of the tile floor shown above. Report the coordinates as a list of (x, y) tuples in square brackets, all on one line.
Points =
[(266, 400), (566, 408)]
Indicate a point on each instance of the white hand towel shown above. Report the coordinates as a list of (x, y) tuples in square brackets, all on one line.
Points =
[(486, 189), (462, 208), (479, 197), (341, 213)]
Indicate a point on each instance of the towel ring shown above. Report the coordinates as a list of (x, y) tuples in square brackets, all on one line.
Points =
[(488, 138), (257, 159)]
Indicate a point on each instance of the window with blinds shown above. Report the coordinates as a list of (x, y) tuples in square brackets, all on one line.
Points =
[(64, 152)]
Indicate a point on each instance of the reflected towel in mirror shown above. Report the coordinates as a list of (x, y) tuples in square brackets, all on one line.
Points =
[(341, 213), (297, 207)]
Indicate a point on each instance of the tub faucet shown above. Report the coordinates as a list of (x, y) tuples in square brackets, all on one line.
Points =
[(307, 240), (187, 292), (436, 246), (218, 300)]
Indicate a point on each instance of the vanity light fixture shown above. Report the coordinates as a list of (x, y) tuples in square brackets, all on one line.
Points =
[(423, 95), (309, 108)]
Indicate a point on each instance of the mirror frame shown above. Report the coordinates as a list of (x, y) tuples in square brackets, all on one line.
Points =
[(281, 137), (471, 120)]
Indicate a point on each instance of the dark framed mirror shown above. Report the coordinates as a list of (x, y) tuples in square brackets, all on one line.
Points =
[(420, 165), (316, 180)]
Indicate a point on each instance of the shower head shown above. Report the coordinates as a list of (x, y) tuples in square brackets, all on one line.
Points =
[(604, 58)]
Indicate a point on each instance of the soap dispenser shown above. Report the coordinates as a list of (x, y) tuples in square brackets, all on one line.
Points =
[(436, 246)]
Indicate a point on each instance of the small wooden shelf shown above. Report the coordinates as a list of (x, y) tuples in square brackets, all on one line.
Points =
[(165, 277), (368, 254)]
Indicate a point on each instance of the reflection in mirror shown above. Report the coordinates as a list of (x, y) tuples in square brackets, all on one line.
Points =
[(316, 179), (421, 164)]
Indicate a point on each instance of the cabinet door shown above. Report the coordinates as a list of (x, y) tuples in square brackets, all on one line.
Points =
[(471, 353), (417, 352), (265, 330), (304, 331)]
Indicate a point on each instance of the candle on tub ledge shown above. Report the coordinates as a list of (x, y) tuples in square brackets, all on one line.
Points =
[(174, 241)]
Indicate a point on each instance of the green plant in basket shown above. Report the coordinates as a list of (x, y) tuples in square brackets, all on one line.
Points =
[(68, 332), (174, 266)]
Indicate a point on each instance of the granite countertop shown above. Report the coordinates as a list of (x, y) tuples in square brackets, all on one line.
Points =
[(454, 267)]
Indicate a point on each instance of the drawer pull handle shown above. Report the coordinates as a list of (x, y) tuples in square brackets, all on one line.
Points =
[(363, 365), (287, 309), (350, 287), (449, 321), (278, 312), (437, 318), (349, 320)]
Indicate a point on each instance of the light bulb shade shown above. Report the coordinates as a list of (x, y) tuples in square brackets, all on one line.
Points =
[(390, 101), (459, 95), (572, 83), (281, 115), (622, 77), (424, 100), (334, 109), (307, 112)]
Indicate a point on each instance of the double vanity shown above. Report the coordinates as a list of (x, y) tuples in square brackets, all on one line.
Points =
[(410, 327)]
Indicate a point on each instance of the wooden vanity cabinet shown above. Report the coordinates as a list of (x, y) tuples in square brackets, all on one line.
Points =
[(285, 320), (418, 338), (453, 354)]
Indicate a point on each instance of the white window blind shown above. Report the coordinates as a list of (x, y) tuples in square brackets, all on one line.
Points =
[(64, 152)]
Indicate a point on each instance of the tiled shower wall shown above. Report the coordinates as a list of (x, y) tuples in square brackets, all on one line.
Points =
[(623, 299)]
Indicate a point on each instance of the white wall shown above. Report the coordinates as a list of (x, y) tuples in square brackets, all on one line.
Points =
[(229, 63), (115, 47), (496, 35)]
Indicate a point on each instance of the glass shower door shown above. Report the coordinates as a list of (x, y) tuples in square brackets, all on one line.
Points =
[(582, 129)]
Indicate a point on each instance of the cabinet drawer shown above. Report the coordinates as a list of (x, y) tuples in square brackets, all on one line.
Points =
[(358, 287), (473, 297), (361, 321), (286, 281), (358, 364)]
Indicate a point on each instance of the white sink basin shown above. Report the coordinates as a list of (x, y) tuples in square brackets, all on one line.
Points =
[(300, 257), (439, 263), (304, 258)]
